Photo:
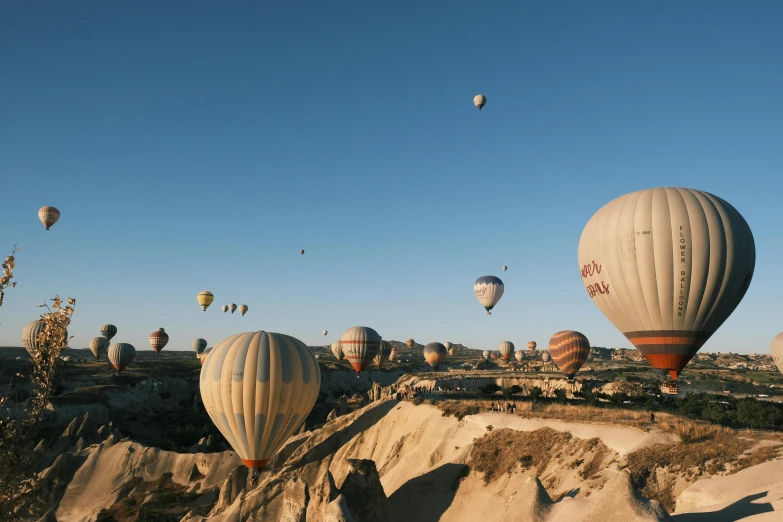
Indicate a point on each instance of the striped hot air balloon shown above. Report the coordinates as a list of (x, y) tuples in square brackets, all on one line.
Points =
[(486, 354), (337, 350), (435, 354), (30, 336), (360, 345), (121, 355), (519, 356), (199, 345), (569, 350), (232, 308), (531, 346), (258, 388), (243, 309), (777, 351), (506, 349), (205, 299), (409, 343), (667, 266), (158, 339), (108, 331), (488, 290), (383, 354), (393, 353), (48, 216), (99, 346)]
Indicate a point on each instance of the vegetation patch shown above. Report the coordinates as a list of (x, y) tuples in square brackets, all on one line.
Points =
[(458, 409), (161, 500)]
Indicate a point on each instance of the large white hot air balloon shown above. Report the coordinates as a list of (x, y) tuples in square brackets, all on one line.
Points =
[(488, 290), (667, 266), (258, 388), (360, 345), (777, 351)]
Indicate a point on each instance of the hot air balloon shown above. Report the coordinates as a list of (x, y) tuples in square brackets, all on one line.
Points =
[(258, 388), (199, 345), (360, 345), (232, 308), (383, 354), (479, 101), (301, 252), (337, 350), (158, 339), (777, 351), (569, 350), (488, 290), (99, 346), (531, 346), (504, 267), (667, 266), (224, 308), (452, 351), (519, 356), (121, 355), (447, 345), (325, 332), (205, 299), (435, 354), (546, 357), (48, 216), (409, 343), (108, 331), (242, 309), (495, 354), (486, 354), (203, 356), (506, 349), (30, 336), (393, 353)]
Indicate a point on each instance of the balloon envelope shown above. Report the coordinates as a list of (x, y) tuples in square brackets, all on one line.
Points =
[(777, 351), (383, 354), (486, 354), (569, 349), (199, 345), (531, 345), (546, 357), (30, 336), (224, 308), (393, 353), (479, 101), (409, 343), (48, 216), (121, 355), (158, 339), (519, 356), (435, 354), (205, 299), (506, 349), (98, 346), (108, 331), (243, 309), (337, 350), (504, 268), (258, 388), (667, 266), (488, 290), (360, 345), (232, 307)]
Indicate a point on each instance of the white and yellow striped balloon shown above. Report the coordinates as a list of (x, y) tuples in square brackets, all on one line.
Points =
[(99, 346), (258, 388), (121, 355)]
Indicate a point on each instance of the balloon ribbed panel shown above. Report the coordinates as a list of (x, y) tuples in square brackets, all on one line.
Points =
[(158, 339), (360, 345), (121, 355), (108, 331), (506, 349), (488, 290), (205, 299), (777, 351), (258, 389), (98, 346), (667, 266), (435, 354), (30, 335), (48, 216), (569, 350)]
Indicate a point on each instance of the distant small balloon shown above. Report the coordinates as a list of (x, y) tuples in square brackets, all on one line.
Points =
[(488, 290), (48, 216), (486, 354), (479, 101), (506, 349), (108, 331), (337, 350), (504, 267), (98, 346), (383, 354), (435, 354), (121, 355), (409, 343), (447, 345), (158, 339), (531, 345), (232, 307), (326, 332), (301, 252), (224, 308), (393, 353), (243, 309), (519, 356), (199, 345)]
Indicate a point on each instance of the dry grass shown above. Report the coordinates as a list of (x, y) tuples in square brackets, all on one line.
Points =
[(458, 409)]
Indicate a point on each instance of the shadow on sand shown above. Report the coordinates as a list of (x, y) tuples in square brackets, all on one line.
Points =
[(740, 509), (431, 493)]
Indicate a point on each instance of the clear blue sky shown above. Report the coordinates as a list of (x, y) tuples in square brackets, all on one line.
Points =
[(199, 145)]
